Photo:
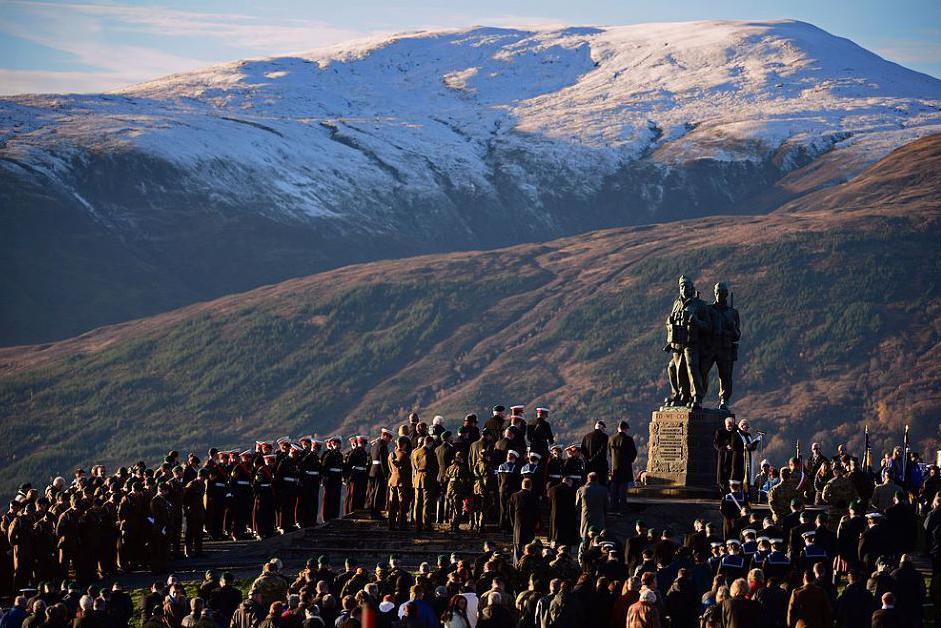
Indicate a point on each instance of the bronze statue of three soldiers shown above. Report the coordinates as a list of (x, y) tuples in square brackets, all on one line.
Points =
[(700, 335)]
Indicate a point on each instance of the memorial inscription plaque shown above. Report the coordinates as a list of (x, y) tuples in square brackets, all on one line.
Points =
[(680, 452)]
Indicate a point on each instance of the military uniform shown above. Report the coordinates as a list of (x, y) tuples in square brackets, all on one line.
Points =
[(308, 500), (838, 493), (194, 513), (508, 477), (780, 497), (332, 477), (21, 537), (459, 483), (160, 531), (400, 488), (425, 482), (238, 498), (356, 472), (287, 484), (263, 506), (730, 508), (378, 476)]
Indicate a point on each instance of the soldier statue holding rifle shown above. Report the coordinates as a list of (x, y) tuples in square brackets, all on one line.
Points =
[(689, 334)]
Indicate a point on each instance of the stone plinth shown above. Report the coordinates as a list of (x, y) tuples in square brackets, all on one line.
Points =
[(680, 451)]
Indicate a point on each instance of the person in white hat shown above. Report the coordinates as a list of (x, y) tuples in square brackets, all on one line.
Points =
[(508, 478)]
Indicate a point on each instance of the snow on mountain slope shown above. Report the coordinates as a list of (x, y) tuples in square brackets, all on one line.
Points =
[(216, 181), (336, 130)]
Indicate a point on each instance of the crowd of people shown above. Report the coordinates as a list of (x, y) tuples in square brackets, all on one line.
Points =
[(834, 546)]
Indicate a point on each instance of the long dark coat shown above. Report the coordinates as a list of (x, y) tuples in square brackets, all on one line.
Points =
[(563, 517)]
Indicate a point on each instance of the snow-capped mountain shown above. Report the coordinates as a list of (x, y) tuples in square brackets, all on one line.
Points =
[(262, 169)]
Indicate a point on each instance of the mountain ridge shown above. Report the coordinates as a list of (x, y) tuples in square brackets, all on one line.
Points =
[(216, 181)]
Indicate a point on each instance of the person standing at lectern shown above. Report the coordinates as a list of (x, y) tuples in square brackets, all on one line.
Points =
[(743, 445), (723, 445)]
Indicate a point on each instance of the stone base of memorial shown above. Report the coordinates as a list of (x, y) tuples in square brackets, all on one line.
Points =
[(680, 456)]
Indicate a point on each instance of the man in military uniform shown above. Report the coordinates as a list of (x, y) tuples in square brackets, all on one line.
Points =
[(425, 482), (496, 422), (554, 470), (508, 474), (286, 486), (239, 492), (132, 524), (444, 453), (356, 471), (732, 507), (400, 484), (308, 499), (378, 473), (332, 475), (216, 501), (838, 493), (459, 482), (723, 350), (481, 460), (22, 540), (263, 489), (194, 512), (161, 529), (539, 433), (574, 466), (689, 329)]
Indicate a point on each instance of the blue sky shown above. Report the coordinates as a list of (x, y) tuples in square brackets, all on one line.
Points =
[(94, 45)]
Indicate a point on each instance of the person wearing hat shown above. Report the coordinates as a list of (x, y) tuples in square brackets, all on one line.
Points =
[(444, 453), (378, 473), (194, 512), (287, 483), (623, 455), (263, 493), (238, 496), (356, 471), (425, 483), (574, 465), (595, 449), (733, 506), (508, 478), (554, 466), (458, 483), (483, 463), (218, 486), (332, 478), (309, 471), (471, 433), (539, 433), (734, 564), (160, 529), (496, 423), (534, 469), (400, 484)]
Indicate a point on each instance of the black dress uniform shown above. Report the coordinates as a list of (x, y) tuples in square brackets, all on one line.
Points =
[(332, 475), (308, 499), (356, 470), (263, 507), (239, 500), (378, 476), (287, 483)]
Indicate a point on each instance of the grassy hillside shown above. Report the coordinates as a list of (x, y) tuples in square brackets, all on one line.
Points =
[(839, 292)]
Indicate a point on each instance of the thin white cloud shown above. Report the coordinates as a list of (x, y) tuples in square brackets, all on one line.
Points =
[(91, 34)]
